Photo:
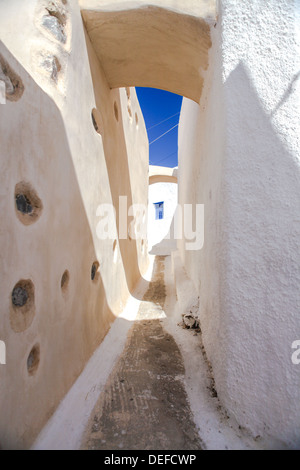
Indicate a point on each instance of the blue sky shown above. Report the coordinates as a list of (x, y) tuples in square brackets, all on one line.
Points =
[(159, 105)]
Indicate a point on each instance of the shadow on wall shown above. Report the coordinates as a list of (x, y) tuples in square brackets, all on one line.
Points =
[(261, 288), (116, 156), (56, 253), (117, 165), (289, 91)]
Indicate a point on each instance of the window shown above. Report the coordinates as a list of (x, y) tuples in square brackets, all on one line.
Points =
[(159, 210)]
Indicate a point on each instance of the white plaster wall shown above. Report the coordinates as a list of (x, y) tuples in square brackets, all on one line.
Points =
[(242, 162), (159, 229)]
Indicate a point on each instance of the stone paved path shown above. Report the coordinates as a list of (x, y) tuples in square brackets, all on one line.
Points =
[(144, 404)]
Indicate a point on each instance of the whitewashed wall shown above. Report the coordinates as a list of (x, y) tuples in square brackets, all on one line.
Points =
[(159, 229), (239, 155)]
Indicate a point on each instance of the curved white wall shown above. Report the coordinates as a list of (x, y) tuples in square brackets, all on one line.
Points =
[(48, 140)]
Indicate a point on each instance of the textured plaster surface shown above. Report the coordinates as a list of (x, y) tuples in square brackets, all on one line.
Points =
[(238, 155), (246, 172)]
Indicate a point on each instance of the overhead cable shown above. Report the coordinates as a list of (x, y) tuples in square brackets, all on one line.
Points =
[(163, 134), (155, 125)]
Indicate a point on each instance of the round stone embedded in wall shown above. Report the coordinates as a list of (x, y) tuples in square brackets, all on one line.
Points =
[(19, 296), (23, 204), (50, 65), (22, 308), (55, 22), (14, 87), (95, 271), (33, 359), (27, 203)]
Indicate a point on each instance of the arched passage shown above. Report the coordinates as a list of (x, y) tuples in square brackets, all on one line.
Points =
[(150, 46), (161, 174), (162, 45), (162, 179)]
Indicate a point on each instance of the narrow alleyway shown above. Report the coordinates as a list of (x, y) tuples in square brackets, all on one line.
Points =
[(144, 403), (149, 384)]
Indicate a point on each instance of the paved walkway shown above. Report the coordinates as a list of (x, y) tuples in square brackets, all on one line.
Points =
[(144, 404)]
